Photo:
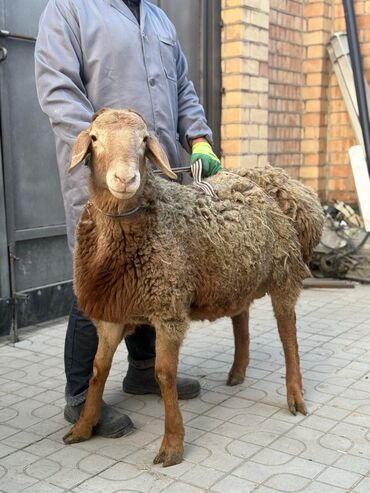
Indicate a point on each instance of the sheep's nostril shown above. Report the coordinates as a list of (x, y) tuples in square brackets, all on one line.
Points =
[(119, 179), (131, 180)]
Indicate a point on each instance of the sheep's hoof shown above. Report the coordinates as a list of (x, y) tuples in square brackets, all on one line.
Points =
[(75, 436), (168, 457), (297, 405), (235, 379)]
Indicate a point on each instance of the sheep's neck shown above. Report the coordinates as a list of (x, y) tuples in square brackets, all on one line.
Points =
[(127, 216)]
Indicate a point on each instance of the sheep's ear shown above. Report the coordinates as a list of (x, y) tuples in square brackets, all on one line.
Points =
[(80, 149), (155, 153)]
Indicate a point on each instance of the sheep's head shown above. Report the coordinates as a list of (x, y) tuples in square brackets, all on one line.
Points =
[(118, 142)]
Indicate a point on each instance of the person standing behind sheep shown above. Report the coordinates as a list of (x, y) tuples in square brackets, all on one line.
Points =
[(92, 54)]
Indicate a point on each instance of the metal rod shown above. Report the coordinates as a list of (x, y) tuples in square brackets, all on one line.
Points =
[(8, 34), (14, 329), (358, 74)]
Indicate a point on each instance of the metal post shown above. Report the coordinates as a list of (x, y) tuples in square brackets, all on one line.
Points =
[(358, 74)]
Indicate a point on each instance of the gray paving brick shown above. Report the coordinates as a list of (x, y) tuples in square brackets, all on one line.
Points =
[(363, 486), (287, 482), (233, 484), (339, 477), (43, 487), (200, 476)]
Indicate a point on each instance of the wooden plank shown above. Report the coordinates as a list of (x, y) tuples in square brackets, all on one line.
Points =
[(314, 282), (362, 181)]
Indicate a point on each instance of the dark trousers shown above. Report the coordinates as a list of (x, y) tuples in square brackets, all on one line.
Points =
[(80, 347)]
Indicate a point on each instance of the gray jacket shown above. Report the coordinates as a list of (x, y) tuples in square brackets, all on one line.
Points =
[(92, 54)]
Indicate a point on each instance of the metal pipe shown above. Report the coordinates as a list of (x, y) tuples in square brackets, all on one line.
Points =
[(358, 74), (8, 34)]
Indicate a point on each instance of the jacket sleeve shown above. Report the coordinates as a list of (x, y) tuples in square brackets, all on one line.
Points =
[(58, 64), (192, 122)]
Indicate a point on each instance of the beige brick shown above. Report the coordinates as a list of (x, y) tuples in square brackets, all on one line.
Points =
[(309, 172), (315, 38), (232, 66), (233, 131), (313, 132), (258, 146), (314, 92), (231, 115), (251, 130), (235, 15), (313, 105), (263, 160), (315, 9), (250, 67), (263, 5), (259, 84), (233, 32), (315, 65), (259, 52), (231, 162), (259, 19), (263, 100), (318, 24), (232, 49), (317, 79), (259, 115), (316, 51), (249, 99), (231, 147), (311, 145), (263, 131), (232, 82), (249, 161), (232, 99), (257, 35)]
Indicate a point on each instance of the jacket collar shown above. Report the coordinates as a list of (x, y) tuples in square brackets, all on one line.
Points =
[(123, 9)]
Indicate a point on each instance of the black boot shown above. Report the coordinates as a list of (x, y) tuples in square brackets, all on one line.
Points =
[(140, 380), (112, 423)]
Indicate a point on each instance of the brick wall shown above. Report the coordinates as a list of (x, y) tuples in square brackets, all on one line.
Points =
[(315, 67), (286, 81), (281, 99), (245, 81)]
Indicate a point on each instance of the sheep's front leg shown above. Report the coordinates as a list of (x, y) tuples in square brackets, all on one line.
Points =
[(110, 335), (241, 350), (167, 354)]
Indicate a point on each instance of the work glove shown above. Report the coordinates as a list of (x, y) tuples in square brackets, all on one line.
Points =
[(210, 162)]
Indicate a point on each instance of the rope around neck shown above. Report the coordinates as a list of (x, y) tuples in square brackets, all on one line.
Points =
[(114, 215)]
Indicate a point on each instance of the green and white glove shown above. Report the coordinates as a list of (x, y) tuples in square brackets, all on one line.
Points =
[(210, 162)]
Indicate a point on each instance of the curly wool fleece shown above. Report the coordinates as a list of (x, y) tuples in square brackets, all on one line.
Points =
[(188, 256)]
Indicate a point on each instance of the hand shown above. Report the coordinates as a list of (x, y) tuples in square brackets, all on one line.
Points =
[(202, 150)]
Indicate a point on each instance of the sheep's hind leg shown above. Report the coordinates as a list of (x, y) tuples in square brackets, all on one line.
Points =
[(241, 351), (110, 335), (284, 305), (167, 355)]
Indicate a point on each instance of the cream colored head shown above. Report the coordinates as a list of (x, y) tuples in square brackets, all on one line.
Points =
[(118, 142)]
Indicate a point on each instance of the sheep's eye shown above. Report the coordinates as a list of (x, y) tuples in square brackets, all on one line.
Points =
[(145, 138), (94, 138)]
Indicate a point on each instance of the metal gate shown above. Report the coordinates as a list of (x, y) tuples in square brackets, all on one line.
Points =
[(35, 263)]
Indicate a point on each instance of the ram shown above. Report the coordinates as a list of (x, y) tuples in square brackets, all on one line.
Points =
[(150, 251)]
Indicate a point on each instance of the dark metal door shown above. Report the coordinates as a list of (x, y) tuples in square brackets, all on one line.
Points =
[(37, 261), (35, 264)]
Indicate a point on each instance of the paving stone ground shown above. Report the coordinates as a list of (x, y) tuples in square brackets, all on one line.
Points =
[(238, 439)]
